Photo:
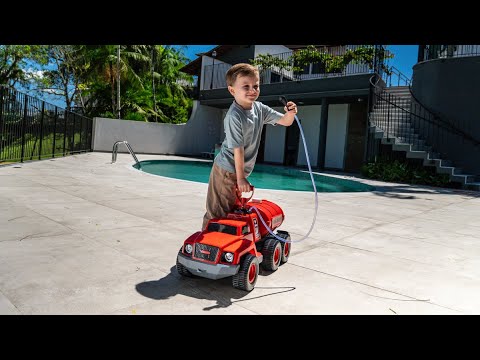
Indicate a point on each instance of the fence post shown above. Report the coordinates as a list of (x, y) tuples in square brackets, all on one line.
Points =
[(65, 115), (24, 121), (90, 135), (2, 91), (72, 144), (421, 53), (41, 132), (81, 130), (54, 132)]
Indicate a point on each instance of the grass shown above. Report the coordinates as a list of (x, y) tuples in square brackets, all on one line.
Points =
[(12, 152)]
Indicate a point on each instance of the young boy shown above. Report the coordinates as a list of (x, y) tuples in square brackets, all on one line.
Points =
[(243, 125)]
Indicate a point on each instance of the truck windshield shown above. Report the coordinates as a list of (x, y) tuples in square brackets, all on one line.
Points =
[(228, 229)]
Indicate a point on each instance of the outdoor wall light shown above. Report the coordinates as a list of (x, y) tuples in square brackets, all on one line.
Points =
[(214, 55)]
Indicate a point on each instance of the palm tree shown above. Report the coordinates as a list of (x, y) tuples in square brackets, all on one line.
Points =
[(169, 83), (104, 66)]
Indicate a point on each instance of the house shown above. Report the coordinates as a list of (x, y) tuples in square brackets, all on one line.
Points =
[(332, 105), (353, 113)]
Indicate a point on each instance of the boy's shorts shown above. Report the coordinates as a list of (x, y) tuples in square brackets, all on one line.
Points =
[(221, 195)]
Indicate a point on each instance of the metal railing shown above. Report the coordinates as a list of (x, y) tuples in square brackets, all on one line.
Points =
[(412, 123), (129, 148), (214, 75), (431, 52), (31, 128), (395, 77)]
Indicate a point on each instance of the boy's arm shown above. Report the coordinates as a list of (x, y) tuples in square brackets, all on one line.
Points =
[(242, 183), (289, 117)]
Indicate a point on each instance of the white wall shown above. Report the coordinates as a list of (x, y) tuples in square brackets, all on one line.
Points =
[(199, 134), (336, 136), (275, 142), (310, 117)]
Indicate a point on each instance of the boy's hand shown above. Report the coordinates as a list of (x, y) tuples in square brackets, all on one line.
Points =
[(243, 185), (291, 107)]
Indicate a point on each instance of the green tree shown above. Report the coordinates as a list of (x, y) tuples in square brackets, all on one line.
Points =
[(104, 69), (86, 77), (63, 77), (332, 63), (168, 85), (18, 63)]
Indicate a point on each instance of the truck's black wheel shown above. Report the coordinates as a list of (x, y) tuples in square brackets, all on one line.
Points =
[(272, 254), (286, 246), (247, 275), (182, 270)]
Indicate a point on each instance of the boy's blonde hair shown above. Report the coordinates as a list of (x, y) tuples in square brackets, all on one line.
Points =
[(241, 69)]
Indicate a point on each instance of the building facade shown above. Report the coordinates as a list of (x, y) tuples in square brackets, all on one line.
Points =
[(333, 104)]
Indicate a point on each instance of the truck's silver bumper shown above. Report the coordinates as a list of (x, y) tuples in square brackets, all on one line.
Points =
[(210, 271)]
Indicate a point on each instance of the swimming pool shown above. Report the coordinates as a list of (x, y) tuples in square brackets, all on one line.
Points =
[(263, 176)]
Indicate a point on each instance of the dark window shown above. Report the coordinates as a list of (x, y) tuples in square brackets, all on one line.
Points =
[(274, 78), (305, 70), (318, 68), (227, 229)]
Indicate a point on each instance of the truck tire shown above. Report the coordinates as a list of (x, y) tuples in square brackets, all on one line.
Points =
[(272, 254), (286, 246), (247, 275), (182, 270)]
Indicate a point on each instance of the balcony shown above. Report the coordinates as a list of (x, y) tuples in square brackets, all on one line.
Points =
[(214, 75), (315, 80)]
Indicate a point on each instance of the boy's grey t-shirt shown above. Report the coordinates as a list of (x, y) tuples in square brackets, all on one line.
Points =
[(244, 128)]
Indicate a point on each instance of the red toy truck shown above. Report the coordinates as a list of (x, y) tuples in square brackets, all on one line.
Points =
[(236, 245)]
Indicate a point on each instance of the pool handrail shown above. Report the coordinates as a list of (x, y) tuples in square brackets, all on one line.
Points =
[(129, 148)]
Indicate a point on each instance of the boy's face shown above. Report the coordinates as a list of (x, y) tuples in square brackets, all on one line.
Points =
[(245, 90)]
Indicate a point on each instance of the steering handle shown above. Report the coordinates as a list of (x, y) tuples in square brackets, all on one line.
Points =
[(244, 200)]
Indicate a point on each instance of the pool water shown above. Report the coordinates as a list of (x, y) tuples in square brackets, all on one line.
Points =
[(263, 176)]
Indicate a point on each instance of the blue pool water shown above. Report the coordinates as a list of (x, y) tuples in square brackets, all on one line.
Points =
[(263, 176)]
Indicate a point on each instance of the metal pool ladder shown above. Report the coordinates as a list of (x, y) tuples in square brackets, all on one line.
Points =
[(129, 148)]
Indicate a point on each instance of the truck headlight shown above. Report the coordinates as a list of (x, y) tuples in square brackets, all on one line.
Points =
[(229, 257), (188, 248)]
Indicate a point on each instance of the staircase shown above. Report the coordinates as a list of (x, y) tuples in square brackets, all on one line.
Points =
[(392, 123)]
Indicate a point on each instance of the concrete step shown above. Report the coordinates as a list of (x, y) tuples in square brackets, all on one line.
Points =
[(472, 186), (413, 154), (462, 178), (416, 148)]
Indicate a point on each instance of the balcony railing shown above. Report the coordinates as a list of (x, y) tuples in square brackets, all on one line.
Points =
[(431, 52), (214, 75)]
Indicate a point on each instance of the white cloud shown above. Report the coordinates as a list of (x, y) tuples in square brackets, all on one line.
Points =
[(33, 73)]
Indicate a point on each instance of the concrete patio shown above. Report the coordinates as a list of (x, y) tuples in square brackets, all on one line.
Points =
[(79, 235)]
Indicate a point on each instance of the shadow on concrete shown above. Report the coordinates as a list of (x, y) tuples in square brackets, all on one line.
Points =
[(399, 191), (220, 290)]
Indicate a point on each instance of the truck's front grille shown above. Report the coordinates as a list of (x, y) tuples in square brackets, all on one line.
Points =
[(206, 252)]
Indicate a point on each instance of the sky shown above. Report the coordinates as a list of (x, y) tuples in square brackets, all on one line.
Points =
[(404, 59)]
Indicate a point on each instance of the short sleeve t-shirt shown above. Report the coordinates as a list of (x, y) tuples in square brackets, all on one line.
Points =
[(244, 128)]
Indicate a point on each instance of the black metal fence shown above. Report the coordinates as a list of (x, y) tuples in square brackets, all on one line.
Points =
[(31, 128), (412, 123), (431, 52)]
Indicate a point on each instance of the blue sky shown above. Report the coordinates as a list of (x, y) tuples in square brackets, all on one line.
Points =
[(404, 59)]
